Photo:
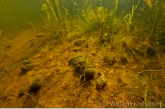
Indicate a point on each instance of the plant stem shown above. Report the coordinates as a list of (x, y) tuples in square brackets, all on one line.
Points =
[(155, 21)]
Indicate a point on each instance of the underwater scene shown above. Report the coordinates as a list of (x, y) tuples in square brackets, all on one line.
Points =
[(82, 53)]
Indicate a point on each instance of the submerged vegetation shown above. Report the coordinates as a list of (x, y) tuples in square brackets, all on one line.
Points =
[(84, 52)]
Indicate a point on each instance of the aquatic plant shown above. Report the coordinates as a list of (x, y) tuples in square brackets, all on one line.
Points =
[(5, 8), (74, 5), (94, 18), (155, 22), (128, 18), (6, 70), (148, 2), (145, 85), (89, 18), (55, 11), (66, 12), (45, 11), (33, 98), (101, 17), (111, 22)]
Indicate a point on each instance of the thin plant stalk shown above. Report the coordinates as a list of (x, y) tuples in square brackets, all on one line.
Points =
[(155, 20), (128, 18), (57, 10), (113, 17), (52, 10)]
